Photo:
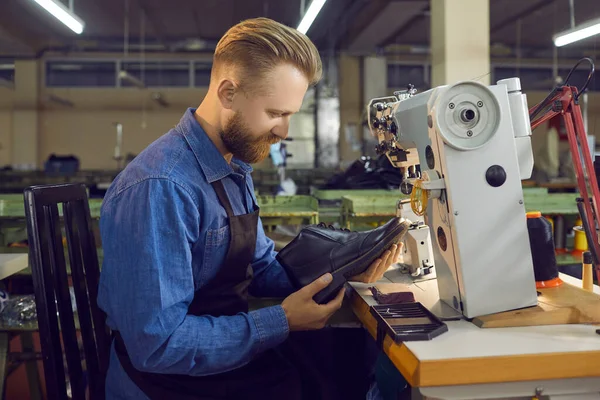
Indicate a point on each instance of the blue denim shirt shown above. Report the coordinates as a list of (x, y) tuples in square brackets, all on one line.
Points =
[(165, 235)]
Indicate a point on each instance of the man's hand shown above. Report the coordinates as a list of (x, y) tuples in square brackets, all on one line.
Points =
[(378, 267), (303, 313)]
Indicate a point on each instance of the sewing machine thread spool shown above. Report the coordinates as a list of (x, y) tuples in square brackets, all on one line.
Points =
[(541, 241), (580, 243)]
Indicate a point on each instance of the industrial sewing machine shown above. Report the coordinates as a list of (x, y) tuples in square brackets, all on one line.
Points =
[(464, 150)]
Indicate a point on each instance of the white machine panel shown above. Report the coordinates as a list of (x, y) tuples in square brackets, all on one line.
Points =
[(466, 139)]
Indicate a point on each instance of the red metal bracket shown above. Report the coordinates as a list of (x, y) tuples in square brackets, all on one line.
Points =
[(584, 165)]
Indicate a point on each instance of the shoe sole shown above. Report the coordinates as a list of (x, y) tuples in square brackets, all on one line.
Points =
[(340, 275)]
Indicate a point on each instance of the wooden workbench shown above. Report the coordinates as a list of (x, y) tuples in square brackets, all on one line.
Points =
[(471, 362)]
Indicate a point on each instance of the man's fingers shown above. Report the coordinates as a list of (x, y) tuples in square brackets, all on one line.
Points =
[(317, 285), (360, 277), (394, 256), (386, 263), (372, 270), (334, 304), (398, 252)]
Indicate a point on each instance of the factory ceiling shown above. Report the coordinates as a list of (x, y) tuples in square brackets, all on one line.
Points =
[(518, 27)]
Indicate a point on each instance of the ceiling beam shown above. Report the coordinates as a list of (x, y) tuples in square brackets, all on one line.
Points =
[(412, 13), (329, 36), (523, 14), (157, 26), (19, 33), (403, 28), (364, 19)]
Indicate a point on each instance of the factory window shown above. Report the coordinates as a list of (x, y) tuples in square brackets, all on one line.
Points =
[(7, 70), (399, 76), (202, 73), (156, 74), (81, 74)]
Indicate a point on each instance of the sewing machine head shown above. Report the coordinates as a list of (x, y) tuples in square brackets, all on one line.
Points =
[(463, 150)]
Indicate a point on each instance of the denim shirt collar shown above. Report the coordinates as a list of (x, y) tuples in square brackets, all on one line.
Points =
[(211, 160)]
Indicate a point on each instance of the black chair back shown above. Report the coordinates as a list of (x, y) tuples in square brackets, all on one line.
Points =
[(51, 286)]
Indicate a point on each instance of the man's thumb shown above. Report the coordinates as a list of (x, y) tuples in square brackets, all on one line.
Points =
[(317, 285)]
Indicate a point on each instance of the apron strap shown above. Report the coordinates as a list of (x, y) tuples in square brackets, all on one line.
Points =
[(223, 198), (254, 205)]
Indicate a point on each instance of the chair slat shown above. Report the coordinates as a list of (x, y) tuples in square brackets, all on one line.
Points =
[(65, 308), (50, 280), (43, 286), (81, 290), (92, 273)]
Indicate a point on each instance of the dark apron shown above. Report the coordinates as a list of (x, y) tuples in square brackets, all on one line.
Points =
[(267, 376)]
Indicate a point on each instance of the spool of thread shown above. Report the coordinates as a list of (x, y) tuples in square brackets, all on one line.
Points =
[(580, 243), (541, 242), (549, 219), (587, 277)]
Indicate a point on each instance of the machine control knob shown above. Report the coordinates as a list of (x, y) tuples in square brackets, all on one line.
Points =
[(380, 106), (495, 176)]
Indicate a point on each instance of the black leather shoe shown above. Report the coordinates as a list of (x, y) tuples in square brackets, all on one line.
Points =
[(319, 249)]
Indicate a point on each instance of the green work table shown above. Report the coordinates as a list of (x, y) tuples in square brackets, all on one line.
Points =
[(369, 210), (330, 201), (379, 209), (288, 210), (15, 208), (274, 210), (333, 195)]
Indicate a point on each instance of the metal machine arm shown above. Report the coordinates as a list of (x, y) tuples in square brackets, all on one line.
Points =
[(564, 101)]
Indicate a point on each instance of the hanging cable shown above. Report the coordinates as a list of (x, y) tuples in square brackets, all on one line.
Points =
[(589, 78), (143, 63), (126, 30)]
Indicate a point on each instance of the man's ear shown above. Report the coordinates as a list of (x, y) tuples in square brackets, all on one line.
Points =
[(226, 91)]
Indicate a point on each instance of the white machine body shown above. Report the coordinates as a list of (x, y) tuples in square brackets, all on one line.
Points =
[(418, 253), (418, 245), (473, 148)]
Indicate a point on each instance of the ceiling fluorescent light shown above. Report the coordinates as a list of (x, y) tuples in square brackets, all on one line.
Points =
[(310, 15), (580, 32), (63, 14)]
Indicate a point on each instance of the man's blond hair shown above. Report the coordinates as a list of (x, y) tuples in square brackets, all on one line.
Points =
[(255, 46)]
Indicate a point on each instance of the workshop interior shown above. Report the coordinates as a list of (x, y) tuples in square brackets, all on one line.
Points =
[(465, 130)]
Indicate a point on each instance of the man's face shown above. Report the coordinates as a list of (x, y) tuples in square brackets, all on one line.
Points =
[(260, 119)]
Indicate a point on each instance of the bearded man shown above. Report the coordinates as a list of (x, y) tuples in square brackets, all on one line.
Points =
[(184, 245)]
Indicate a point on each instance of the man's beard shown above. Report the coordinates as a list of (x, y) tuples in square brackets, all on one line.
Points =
[(239, 141)]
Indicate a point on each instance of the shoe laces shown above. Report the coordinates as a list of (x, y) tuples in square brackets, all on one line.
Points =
[(333, 228)]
